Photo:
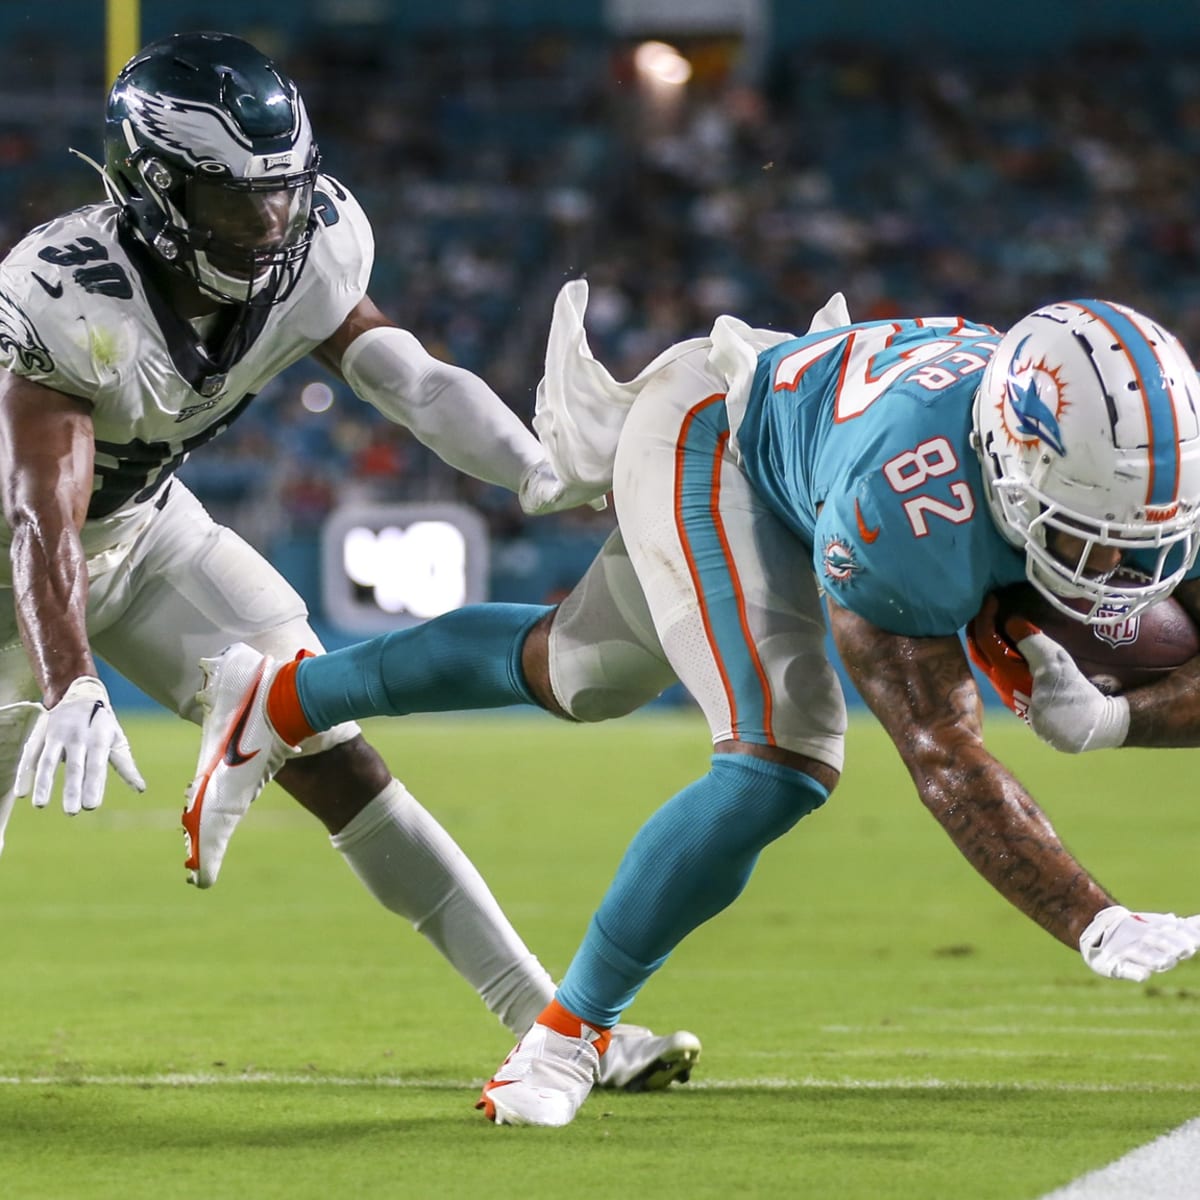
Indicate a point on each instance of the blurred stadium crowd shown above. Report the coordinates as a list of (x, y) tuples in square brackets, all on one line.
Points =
[(494, 168)]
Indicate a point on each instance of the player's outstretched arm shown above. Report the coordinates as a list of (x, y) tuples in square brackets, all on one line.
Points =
[(46, 456), (452, 411), (922, 691)]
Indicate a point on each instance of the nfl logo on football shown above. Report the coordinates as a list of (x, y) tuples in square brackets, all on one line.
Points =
[(1121, 629)]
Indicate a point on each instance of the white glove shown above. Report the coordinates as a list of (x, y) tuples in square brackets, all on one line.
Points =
[(81, 731), (1065, 708), (543, 492), (1120, 944)]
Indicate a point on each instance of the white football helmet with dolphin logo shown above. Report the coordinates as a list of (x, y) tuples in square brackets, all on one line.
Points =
[(1087, 422)]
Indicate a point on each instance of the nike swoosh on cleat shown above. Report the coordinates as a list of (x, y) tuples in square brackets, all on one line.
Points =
[(53, 290), (867, 535), (234, 755), (486, 1103)]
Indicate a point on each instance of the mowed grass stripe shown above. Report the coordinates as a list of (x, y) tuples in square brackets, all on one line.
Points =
[(756, 1083)]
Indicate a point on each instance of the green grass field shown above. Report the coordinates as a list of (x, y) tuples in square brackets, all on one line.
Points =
[(876, 1022)]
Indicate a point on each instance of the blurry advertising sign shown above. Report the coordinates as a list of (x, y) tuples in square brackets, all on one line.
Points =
[(387, 566)]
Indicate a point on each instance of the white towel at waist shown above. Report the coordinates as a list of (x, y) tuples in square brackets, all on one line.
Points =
[(581, 408)]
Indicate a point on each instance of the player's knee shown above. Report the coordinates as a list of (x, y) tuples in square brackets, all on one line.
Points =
[(767, 796), (535, 665), (570, 681), (595, 676), (822, 773)]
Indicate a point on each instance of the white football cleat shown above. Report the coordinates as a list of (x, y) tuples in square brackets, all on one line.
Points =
[(546, 1077), (239, 754), (637, 1060)]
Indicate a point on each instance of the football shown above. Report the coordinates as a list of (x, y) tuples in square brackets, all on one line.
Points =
[(1126, 652)]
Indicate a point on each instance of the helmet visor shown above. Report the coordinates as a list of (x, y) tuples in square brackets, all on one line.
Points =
[(244, 227)]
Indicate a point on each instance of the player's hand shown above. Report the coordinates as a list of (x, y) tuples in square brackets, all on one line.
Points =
[(82, 732), (998, 659), (1125, 945), (543, 492), (1065, 708)]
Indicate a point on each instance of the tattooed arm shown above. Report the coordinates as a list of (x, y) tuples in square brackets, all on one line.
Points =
[(1168, 713), (923, 693)]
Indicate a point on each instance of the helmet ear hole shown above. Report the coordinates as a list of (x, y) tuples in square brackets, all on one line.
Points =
[(158, 175)]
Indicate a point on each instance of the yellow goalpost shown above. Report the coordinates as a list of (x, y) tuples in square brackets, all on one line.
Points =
[(122, 28)]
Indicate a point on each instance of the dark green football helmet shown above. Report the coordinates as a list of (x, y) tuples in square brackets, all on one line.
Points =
[(209, 152)]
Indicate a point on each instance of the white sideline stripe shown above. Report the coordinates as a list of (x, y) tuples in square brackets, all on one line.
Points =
[(1023, 1030), (1164, 1169), (877, 1054), (1056, 1010), (768, 1083)]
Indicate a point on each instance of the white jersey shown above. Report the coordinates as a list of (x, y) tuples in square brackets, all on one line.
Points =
[(77, 315)]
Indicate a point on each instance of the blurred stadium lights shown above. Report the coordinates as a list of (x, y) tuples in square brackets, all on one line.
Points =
[(673, 42), (317, 397), (659, 63)]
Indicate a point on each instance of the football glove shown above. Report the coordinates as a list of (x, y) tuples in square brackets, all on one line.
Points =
[(542, 492), (1065, 708), (1120, 944), (81, 731), (996, 656)]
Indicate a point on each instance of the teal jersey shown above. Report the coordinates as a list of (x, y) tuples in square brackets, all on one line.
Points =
[(859, 441)]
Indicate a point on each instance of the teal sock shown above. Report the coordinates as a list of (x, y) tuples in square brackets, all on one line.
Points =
[(469, 658), (689, 861)]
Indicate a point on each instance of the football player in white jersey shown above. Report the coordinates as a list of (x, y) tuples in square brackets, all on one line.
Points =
[(132, 332)]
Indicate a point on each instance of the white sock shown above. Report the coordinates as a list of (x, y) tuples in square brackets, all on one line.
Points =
[(412, 866)]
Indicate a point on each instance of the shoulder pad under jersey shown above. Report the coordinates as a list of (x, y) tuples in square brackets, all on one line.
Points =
[(342, 254), (60, 285)]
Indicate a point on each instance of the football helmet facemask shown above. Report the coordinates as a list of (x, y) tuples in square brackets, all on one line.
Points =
[(210, 154), (1086, 424)]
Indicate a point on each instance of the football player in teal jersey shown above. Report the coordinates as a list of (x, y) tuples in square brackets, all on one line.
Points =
[(131, 333), (905, 469)]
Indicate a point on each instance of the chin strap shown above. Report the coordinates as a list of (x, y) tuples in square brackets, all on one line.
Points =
[(110, 185)]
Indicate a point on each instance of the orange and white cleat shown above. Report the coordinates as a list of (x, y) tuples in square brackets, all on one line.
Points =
[(240, 753), (549, 1073)]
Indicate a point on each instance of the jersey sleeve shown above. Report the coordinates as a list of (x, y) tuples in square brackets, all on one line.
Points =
[(338, 269), (869, 560), (44, 334)]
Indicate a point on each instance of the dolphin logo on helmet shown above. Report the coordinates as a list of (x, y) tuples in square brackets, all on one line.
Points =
[(1034, 418)]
